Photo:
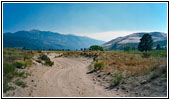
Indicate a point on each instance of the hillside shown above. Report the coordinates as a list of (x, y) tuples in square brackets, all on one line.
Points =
[(133, 40), (36, 39)]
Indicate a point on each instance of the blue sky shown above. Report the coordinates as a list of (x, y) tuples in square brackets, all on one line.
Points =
[(102, 21)]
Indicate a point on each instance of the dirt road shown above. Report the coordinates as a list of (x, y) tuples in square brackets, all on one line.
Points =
[(66, 78)]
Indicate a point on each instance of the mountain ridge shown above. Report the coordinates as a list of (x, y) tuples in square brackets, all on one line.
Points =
[(36, 39), (133, 40)]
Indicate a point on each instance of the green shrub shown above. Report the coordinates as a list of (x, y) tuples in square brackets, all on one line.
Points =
[(98, 65), (96, 48), (117, 80), (49, 62)]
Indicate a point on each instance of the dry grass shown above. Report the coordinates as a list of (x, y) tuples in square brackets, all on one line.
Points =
[(131, 63)]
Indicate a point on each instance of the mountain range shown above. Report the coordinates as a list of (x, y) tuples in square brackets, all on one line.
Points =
[(133, 40), (36, 39)]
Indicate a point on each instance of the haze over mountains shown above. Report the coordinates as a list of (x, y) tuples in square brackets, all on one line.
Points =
[(36, 39), (133, 40)]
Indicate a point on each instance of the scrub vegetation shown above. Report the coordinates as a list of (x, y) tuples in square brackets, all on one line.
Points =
[(130, 71)]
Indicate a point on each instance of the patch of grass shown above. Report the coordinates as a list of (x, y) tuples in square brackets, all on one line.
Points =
[(158, 71), (28, 62), (22, 64), (116, 80), (9, 71), (19, 64), (153, 53), (98, 66), (12, 60), (146, 54), (158, 53), (6, 87), (20, 83), (20, 74), (155, 74), (135, 52)]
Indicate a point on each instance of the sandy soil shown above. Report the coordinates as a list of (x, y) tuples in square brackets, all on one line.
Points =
[(66, 78)]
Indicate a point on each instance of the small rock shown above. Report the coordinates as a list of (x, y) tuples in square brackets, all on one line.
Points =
[(99, 76), (108, 73), (143, 82), (32, 80), (123, 88)]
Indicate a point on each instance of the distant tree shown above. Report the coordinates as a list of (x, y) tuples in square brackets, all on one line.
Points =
[(62, 49), (24, 48), (133, 48), (96, 48), (81, 49), (158, 47), (145, 43), (127, 48), (84, 49)]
